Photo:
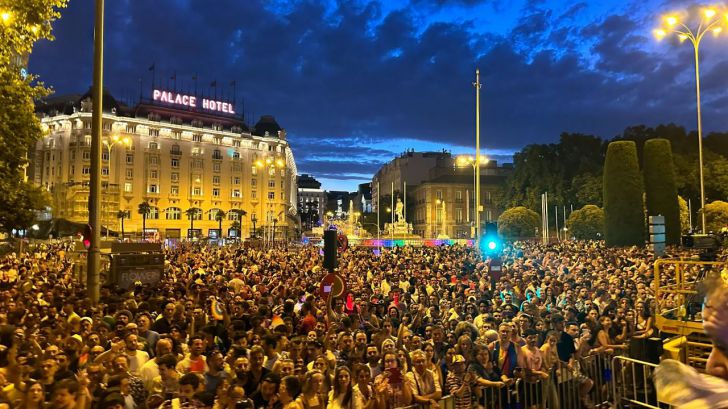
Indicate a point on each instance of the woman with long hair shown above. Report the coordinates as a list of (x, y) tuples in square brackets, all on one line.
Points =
[(34, 396), (313, 395), (363, 389), (342, 396), (430, 363), (645, 327)]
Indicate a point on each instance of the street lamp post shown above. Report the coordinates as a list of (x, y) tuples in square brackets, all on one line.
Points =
[(710, 21), (268, 164), (477, 86)]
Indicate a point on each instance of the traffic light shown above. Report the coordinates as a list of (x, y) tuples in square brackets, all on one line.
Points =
[(86, 237), (490, 243)]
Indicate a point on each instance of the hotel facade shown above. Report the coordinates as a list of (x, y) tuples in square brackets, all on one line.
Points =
[(186, 160)]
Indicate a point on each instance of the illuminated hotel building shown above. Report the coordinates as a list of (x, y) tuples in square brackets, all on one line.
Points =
[(175, 155)]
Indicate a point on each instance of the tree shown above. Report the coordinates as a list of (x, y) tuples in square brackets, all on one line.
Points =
[(192, 213), (684, 214), (518, 222), (623, 205), (144, 210), (121, 215), (220, 216), (586, 223), (24, 22), (660, 188), (716, 216)]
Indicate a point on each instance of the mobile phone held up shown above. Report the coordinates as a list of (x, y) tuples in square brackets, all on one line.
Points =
[(395, 376)]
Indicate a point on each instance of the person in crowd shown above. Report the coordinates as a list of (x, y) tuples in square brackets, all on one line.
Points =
[(425, 388)]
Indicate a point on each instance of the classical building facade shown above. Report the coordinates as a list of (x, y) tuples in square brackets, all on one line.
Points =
[(185, 163), (311, 201)]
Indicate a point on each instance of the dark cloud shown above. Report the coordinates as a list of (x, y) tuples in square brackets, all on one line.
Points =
[(343, 77)]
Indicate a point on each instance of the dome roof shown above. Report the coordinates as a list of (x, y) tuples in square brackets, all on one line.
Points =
[(266, 123)]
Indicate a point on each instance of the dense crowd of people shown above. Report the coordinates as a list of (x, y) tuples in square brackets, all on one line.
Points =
[(235, 327)]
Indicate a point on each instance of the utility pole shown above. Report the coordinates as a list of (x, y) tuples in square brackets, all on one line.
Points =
[(477, 86), (94, 256)]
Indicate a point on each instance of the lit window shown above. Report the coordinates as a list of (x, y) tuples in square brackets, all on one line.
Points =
[(127, 187)]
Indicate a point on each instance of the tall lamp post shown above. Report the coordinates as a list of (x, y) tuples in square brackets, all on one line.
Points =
[(462, 161), (268, 164), (477, 86), (109, 144), (254, 220), (709, 21)]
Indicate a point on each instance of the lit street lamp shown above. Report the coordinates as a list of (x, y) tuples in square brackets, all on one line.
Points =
[(709, 21)]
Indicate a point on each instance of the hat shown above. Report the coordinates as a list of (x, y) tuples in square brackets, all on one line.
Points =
[(457, 359), (77, 338), (87, 319)]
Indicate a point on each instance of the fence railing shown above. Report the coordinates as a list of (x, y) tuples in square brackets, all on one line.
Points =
[(599, 380)]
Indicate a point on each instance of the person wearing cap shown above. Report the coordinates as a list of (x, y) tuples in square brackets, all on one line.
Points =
[(459, 383)]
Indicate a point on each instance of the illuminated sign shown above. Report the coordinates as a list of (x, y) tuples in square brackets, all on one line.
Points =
[(174, 98)]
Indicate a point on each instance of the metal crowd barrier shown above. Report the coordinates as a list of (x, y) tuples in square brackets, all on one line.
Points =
[(634, 387)]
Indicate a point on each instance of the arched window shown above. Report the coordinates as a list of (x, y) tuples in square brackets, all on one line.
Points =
[(153, 213), (174, 213)]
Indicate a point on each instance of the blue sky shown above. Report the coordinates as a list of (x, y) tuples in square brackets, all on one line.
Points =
[(357, 82)]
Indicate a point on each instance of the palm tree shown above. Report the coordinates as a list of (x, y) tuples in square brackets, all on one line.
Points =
[(122, 214), (191, 213), (239, 215), (144, 210), (220, 216), (235, 225)]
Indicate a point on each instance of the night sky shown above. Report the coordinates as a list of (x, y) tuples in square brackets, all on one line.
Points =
[(355, 83)]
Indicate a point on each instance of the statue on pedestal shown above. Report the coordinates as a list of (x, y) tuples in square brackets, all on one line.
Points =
[(399, 211)]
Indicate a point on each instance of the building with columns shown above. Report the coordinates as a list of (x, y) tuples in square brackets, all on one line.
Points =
[(186, 161)]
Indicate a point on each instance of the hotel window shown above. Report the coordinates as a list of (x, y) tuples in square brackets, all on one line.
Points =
[(107, 126), (196, 191), (176, 134), (153, 160), (129, 158), (174, 177), (216, 180), (215, 192), (154, 174), (175, 163), (283, 196), (237, 167), (236, 193), (216, 167), (253, 182), (73, 155), (173, 213), (131, 129), (86, 170), (236, 143), (152, 189), (73, 170), (283, 173), (105, 156), (105, 171), (218, 140), (271, 195), (153, 145), (254, 171), (153, 132), (127, 187), (174, 190), (458, 215), (438, 194), (236, 180), (196, 164), (236, 155), (86, 155), (272, 172), (253, 194), (216, 154), (271, 184), (87, 140), (196, 138), (153, 213), (130, 173), (459, 195)]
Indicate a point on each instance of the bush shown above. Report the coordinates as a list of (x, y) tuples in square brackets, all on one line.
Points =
[(684, 214), (518, 222), (716, 216), (624, 223), (586, 223), (660, 188)]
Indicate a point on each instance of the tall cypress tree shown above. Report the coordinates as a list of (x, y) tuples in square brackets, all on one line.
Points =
[(660, 186), (623, 207)]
